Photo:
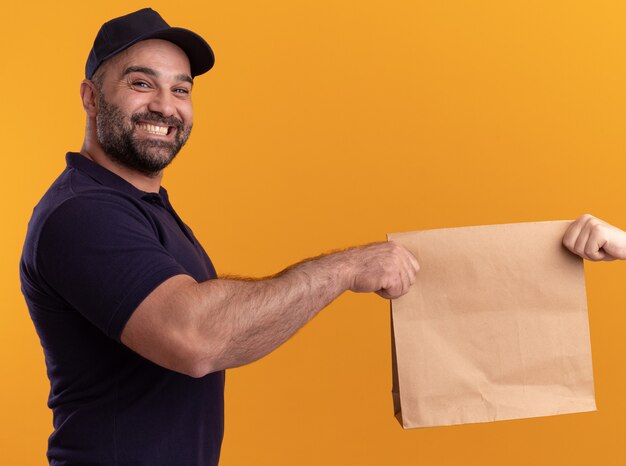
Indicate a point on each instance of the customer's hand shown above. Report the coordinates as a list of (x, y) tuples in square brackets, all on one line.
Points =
[(595, 240)]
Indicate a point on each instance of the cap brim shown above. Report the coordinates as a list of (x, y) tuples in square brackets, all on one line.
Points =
[(199, 52)]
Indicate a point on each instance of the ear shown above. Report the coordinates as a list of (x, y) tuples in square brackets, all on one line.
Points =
[(89, 96)]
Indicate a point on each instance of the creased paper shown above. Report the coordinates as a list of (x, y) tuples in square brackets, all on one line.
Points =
[(494, 328)]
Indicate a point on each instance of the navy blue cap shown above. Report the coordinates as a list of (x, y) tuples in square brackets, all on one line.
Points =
[(120, 33)]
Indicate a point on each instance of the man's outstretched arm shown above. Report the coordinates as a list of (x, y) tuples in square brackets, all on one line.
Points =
[(595, 240), (198, 328)]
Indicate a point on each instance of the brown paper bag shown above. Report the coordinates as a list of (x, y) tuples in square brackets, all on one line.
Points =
[(494, 328)]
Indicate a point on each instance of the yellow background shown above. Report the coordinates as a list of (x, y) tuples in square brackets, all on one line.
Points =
[(329, 123)]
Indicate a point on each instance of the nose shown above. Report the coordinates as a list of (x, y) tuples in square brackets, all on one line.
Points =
[(163, 103)]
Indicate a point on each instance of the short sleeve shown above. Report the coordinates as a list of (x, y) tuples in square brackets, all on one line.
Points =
[(101, 254)]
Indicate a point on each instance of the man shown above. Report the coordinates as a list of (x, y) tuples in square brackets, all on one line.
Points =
[(136, 328)]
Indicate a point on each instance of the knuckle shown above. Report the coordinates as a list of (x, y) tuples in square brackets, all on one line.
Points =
[(395, 247), (594, 222)]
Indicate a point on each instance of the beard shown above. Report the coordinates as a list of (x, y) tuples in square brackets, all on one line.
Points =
[(118, 140)]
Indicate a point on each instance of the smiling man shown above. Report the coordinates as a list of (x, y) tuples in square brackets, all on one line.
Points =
[(136, 327)]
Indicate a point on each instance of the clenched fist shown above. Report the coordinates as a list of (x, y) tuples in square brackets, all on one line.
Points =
[(594, 239), (388, 269)]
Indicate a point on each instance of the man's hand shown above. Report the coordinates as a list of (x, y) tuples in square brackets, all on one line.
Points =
[(388, 269), (594, 239)]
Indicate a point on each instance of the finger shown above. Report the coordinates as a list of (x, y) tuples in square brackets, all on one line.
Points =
[(404, 266), (581, 241), (410, 280), (400, 283), (393, 286), (573, 231), (399, 286), (569, 237), (412, 276), (615, 244), (597, 240), (406, 282), (413, 266), (413, 261), (404, 252), (389, 293), (410, 262)]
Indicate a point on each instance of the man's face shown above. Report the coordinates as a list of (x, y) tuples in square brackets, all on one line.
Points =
[(144, 112)]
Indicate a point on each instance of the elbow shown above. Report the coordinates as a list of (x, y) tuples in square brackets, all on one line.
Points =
[(199, 361), (196, 361), (199, 369), (194, 372), (194, 368)]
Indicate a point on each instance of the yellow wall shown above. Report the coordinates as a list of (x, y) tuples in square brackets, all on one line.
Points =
[(329, 123)]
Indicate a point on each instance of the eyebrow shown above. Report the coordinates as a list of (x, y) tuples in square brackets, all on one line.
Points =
[(156, 74)]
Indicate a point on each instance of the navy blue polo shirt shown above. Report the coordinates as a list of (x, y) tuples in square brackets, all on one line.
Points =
[(96, 247)]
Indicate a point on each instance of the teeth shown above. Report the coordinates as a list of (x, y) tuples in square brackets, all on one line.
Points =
[(162, 130)]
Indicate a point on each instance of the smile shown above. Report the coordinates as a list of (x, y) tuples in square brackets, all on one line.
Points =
[(154, 129)]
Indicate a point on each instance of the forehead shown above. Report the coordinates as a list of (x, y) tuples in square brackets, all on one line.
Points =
[(160, 55)]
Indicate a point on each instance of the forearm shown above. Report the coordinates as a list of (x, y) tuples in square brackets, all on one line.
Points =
[(196, 328), (239, 321)]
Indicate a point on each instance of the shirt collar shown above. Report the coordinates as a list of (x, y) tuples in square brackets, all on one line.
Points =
[(108, 178)]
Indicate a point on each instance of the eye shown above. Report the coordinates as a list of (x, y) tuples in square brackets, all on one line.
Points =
[(182, 90), (142, 84)]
